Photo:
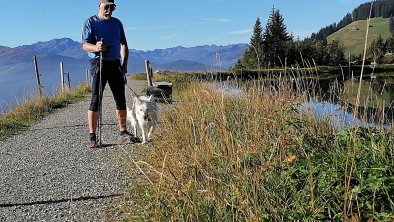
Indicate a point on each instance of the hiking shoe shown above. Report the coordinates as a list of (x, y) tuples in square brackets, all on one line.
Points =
[(92, 141), (125, 136)]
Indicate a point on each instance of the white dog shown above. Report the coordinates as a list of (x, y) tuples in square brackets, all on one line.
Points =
[(143, 114)]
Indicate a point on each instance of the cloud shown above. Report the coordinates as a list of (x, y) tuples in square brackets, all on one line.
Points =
[(217, 20), (169, 37), (174, 26), (239, 32), (149, 27)]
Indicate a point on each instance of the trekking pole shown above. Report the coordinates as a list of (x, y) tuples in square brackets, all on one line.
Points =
[(100, 99)]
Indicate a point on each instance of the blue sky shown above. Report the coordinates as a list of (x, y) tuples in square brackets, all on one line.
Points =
[(158, 24)]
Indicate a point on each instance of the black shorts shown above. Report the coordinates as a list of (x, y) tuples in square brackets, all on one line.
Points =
[(112, 73)]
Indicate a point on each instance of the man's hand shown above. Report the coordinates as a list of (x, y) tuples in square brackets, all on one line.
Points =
[(124, 69), (100, 46), (125, 79)]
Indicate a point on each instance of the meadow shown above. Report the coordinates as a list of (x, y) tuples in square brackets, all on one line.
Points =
[(353, 35), (254, 157)]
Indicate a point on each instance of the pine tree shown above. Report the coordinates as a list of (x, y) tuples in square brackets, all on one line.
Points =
[(390, 44), (275, 38), (391, 25), (253, 56), (256, 45), (378, 47)]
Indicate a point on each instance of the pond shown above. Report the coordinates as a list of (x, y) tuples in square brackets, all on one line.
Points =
[(375, 107), (335, 101)]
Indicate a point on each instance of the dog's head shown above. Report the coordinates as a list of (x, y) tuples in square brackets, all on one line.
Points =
[(142, 106)]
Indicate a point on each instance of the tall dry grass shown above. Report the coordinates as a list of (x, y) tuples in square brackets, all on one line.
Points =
[(212, 153), (252, 157)]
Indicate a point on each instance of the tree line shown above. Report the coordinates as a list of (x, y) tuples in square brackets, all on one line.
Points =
[(380, 47), (275, 47), (381, 8)]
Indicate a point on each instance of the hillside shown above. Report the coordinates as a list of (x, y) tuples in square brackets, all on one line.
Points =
[(353, 35)]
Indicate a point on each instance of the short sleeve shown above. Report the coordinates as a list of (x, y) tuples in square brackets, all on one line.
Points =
[(87, 35)]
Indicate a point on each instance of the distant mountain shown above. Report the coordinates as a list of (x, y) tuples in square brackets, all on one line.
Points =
[(199, 58), (63, 47), (10, 56), (208, 55)]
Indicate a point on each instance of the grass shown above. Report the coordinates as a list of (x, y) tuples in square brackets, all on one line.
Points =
[(27, 113), (253, 158), (353, 35)]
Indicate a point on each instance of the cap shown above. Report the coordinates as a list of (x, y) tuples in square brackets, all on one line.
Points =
[(107, 2)]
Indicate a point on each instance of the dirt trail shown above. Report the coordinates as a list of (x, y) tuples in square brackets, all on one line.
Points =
[(48, 174)]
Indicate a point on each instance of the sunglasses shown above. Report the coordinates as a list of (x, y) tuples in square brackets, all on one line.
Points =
[(110, 7)]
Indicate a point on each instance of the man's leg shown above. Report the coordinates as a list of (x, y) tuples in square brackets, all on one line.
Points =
[(121, 115), (92, 120)]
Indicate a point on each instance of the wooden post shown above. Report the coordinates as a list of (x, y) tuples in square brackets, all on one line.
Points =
[(37, 76), (148, 72), (62, 75), (88, 78), (68, 81)]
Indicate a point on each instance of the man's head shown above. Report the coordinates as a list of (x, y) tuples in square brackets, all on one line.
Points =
[(107, 2), (106, 8)]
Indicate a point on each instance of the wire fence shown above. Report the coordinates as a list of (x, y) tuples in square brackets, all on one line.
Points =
[(35, 80)]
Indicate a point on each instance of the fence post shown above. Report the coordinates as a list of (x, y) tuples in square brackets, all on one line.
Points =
[(88, 77), (68, 80), (148, 69), (37, 76), (62, 75)]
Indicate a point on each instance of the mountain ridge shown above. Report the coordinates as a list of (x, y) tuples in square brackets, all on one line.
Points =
[(199, 58)]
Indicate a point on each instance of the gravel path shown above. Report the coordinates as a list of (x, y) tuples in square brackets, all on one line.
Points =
[(48, 174)]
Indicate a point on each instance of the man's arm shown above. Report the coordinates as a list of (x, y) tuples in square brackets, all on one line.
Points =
[(88, 47), (124, 54)]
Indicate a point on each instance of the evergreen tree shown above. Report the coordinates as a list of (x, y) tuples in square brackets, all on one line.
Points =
[(275, 38), (377, 48), (253, 56), (255, 50), (391, 24), (335, 51), (344, 22), (390, 45)]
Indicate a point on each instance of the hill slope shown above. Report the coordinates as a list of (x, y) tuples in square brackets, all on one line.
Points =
[(353, 35)]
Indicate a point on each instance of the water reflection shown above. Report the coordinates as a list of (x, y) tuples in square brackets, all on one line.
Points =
[(337, 115), (375, 108), (335, 100), (229, 88)]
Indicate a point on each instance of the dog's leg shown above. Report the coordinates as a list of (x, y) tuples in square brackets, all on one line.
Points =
[(149, 137), (135, 129), (143, 132)]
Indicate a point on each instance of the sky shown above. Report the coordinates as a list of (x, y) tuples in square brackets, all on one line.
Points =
[(160, 24)]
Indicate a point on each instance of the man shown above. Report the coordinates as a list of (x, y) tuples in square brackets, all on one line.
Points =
[(104, 34)]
